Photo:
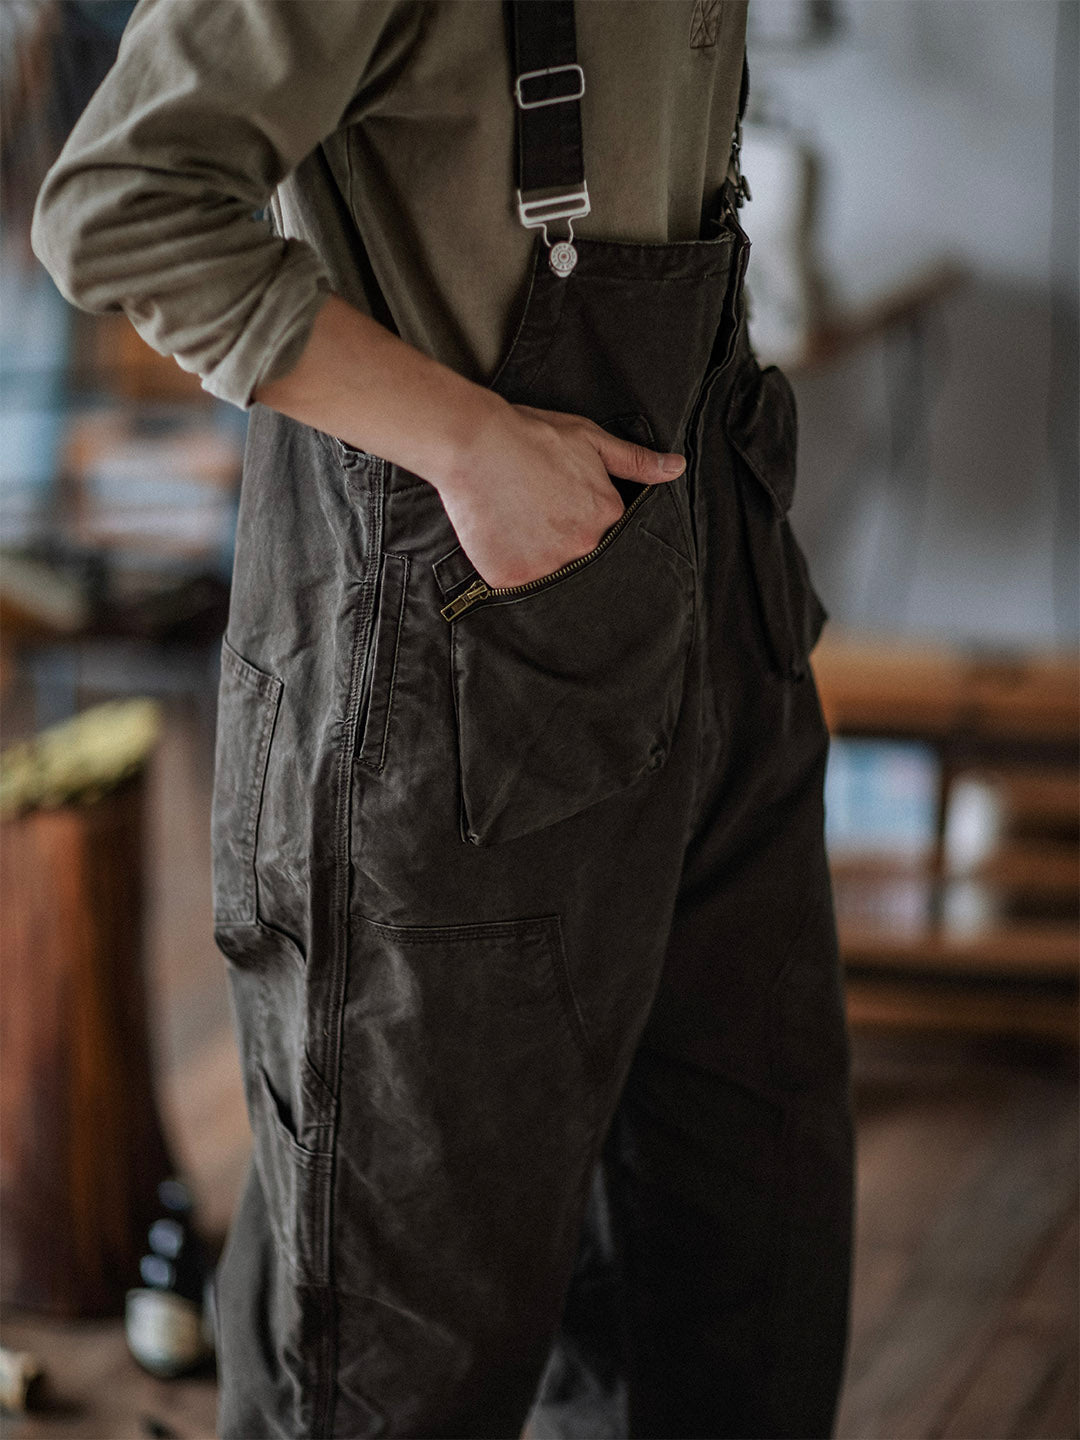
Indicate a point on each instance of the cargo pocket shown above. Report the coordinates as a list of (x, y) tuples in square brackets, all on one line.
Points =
[(294, 1179), (761, 425), (568, 689), (248, 700)]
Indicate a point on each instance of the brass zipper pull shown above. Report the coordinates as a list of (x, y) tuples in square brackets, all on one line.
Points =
[(460, 603)]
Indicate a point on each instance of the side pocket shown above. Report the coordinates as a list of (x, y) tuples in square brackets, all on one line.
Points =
[(374, 719), (248, 701), (570, 691), (295, 1183), (762, 427)]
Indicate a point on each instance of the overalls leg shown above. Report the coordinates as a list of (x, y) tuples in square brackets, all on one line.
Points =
[(713, 1281)]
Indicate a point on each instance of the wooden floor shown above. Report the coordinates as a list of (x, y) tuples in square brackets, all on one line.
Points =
[(965, 1307)]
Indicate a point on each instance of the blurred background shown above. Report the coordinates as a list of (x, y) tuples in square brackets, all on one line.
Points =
[(914, 269)]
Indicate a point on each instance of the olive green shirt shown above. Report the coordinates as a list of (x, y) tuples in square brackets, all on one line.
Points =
[(378, 136)]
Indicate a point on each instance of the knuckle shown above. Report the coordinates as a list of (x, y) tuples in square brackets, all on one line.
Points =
[(642, 460), (611, 509)]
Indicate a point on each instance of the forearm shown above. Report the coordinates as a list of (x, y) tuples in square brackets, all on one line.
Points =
[(526, 490), (356, 380)]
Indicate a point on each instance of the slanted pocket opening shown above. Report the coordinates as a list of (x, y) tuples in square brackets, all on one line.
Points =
[(295, 1183), (762, 427), (248, 701), (378, 691), (568, 692)]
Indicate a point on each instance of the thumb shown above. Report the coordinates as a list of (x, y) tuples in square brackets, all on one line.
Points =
[(636, 462)]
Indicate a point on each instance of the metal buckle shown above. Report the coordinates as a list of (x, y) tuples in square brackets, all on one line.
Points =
[(552, 99), (569, 206)]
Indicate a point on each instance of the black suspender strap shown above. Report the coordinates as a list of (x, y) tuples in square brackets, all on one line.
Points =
[(548, 86)]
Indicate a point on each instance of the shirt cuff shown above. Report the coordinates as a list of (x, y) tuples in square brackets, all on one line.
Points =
[(278, 329)]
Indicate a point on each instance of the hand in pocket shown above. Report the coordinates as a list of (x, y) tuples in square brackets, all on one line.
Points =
[(535, 491)]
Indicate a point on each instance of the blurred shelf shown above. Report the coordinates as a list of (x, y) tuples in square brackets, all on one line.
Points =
[(1035, 868), (1046, 950), (876, 1003), (978, 925), (885, 685)]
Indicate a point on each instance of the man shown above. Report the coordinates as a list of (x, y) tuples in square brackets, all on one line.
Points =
[(518, 858)]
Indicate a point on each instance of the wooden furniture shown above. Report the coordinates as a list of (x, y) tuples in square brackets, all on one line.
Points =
[(979, 932), (844, 330), (108, 354), (81, 1146)]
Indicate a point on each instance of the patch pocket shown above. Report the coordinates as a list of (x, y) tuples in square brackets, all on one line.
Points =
[(462, 1042), (468, 1122), (762, 427), (567, 690), (248, 701), (377, 688), (294, 1180)]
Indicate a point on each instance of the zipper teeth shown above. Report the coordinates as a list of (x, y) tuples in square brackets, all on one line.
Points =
[(479, 591), (581, 559)]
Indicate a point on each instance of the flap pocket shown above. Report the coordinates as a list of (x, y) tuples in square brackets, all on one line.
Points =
[(248, 700), (762, 424), (762, 427)]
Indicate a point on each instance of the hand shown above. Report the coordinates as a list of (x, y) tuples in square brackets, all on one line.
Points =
[(534, 492), (526, 490)]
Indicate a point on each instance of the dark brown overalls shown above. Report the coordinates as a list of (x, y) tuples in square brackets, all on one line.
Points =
[(524, 901)]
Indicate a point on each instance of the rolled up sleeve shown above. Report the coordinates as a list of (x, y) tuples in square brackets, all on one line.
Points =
[(150, 206)]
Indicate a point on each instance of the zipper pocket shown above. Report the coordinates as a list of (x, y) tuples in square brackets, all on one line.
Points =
[(480, 591)]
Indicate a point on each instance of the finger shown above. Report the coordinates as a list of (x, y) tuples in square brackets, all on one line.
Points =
[(636, 462)]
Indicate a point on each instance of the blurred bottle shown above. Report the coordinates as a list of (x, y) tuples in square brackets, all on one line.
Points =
[(168, 1318)]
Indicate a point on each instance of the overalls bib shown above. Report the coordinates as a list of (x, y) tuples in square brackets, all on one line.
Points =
[(524, 900)]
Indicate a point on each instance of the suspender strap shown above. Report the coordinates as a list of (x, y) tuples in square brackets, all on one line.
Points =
[(548, 86)]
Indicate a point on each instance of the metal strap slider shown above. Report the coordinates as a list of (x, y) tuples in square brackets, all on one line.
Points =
[(549, 99)]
